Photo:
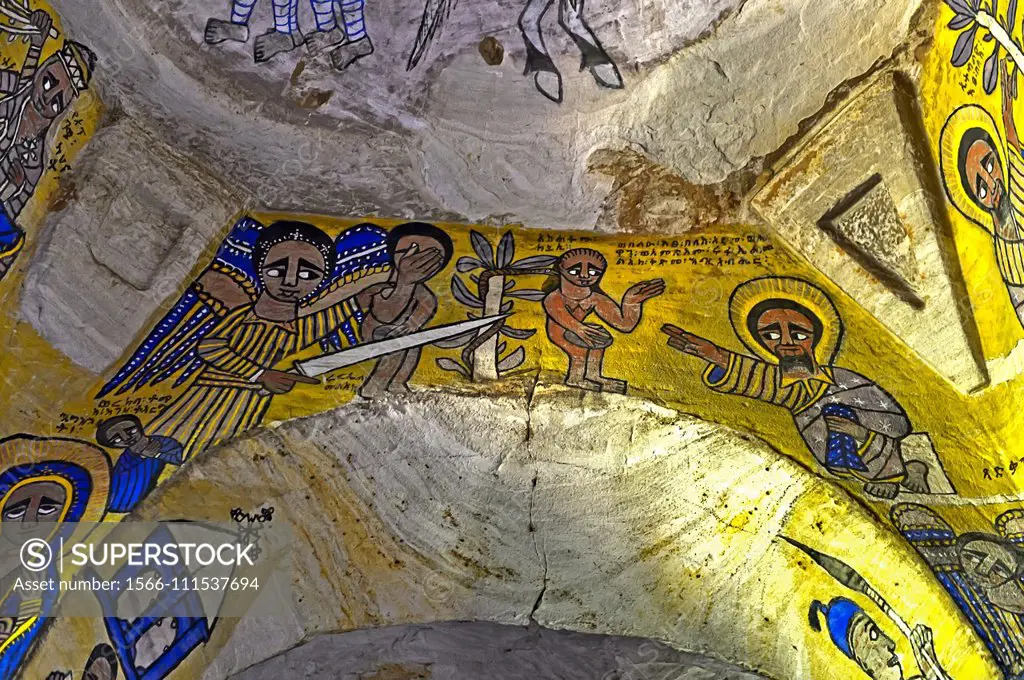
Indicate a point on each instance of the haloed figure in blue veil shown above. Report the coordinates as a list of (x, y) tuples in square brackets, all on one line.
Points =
[(46, 485)]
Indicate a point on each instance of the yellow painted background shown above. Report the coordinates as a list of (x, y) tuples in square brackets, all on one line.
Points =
[(970, 432)]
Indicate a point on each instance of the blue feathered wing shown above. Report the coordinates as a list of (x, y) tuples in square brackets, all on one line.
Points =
[(361, 250), (170, 349)]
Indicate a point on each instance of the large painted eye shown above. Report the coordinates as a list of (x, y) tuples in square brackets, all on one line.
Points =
[(771, 335), (55, 106), (989, 165), (800, 336), (592, 272), (873, 634), (983, 192), (47, 508), (49, 82), (273, 273), (308, 274), (576, 271), (16, 513)]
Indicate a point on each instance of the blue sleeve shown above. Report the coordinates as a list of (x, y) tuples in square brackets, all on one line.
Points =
[(171, 451)]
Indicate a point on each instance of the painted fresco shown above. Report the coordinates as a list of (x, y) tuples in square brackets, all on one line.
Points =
[(289, 315), (339, 34), (43, 123)]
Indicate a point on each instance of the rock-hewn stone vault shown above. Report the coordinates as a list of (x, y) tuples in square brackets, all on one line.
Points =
[(536, 339)]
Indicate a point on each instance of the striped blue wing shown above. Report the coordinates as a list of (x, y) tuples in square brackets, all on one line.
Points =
[(362, 250), (170, 349)]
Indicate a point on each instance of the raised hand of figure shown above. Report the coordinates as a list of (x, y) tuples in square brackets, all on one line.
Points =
[(416, 267), (923, 644), (689, 343), (847, 426), (42, 22), (643, 291), (280, 382)]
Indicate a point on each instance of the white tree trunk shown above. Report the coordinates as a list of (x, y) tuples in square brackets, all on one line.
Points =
[(1001, 36), (485, 358)]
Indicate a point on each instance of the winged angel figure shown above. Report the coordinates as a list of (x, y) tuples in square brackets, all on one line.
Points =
[(983, 572), (269, 292)]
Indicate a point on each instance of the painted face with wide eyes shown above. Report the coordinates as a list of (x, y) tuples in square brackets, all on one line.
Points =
[(984, 175), (31, 511), (874, 651), (583, 269), (292, 270), (53, 92), (988, 563)]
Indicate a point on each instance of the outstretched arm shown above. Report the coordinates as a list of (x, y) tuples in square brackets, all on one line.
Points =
[(626, 317), (697, 346), (43, 23)]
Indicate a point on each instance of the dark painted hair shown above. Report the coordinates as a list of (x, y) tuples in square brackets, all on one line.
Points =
[(782, 303), (289, 230), (970, 137), (421, 229), (105, 652), (103, 429)]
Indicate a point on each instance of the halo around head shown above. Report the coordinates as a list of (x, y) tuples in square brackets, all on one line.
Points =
[(749, 295), (80, 467), (963, 119)]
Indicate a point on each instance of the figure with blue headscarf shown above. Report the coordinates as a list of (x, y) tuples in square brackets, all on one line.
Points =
[(858, 637), (47, 486)]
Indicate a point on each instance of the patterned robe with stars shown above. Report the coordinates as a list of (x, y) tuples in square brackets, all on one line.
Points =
[(842, 393)]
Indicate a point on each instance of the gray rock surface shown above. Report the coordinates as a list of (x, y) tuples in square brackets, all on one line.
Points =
[(470, 651)]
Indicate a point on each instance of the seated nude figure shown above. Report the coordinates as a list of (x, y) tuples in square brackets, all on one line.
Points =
[(577, 297)]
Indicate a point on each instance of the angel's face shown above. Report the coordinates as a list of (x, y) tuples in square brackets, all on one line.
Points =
[(292, 271)]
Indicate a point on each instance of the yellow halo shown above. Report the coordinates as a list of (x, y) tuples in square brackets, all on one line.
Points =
[(749, 295), (32, 458), (963, 119)]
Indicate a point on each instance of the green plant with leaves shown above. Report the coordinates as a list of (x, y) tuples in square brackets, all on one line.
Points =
[(974, 16), (486, 355)]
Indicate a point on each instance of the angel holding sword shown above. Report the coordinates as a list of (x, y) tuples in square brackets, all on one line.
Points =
[(273, 291), (31, 101)]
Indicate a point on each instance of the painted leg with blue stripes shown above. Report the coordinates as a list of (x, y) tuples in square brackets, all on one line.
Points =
[(236, 30), (358, 45), (284, 37), (329, 33)]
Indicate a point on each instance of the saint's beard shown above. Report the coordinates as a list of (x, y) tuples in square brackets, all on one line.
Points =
[(800, 365)]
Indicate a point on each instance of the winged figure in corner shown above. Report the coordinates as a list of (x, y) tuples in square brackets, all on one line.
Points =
[(269, 292)]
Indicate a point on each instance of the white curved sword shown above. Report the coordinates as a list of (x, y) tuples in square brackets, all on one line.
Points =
[(313, 368)]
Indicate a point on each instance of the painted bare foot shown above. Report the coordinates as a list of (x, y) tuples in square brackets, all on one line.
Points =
[(273, 43), (218, 31), (584, 384), (607, 75), (886, 490), (549, 84), (612, 385), (917, 477), (323, 41), (345, 55)]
